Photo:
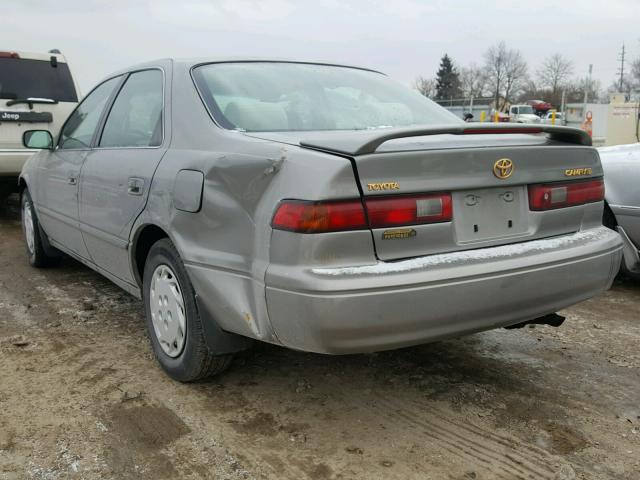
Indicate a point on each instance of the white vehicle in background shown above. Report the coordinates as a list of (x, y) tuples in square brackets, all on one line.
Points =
[(548, 118), (37, 91), (523, 114)]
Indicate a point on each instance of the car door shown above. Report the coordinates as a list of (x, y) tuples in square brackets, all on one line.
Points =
[(117, 173), (56, 186)]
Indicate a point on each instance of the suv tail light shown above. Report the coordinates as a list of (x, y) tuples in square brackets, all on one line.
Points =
[(334, 216), (9, 55), (558, 195)]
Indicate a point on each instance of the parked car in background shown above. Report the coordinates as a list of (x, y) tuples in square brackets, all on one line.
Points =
[(523, 114), (621, 165), (502, 117), (321, 207), (548, 118), (37, 91), (540, 107)]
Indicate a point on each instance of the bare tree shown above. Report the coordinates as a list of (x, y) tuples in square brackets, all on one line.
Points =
[(627, 87), (426, 86), (575, 90), (516, 74), (473, 81), (494, 59), (554, 73), (594, 90), (635, 72), (506, 72), (531, 91)]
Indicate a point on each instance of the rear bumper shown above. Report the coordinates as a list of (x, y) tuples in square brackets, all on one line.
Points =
[(12, 160), (396, 304)]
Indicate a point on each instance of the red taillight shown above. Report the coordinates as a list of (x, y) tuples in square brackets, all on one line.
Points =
[(9, 55), (558, 195), (334, 216), (318, 217), (395, 211)]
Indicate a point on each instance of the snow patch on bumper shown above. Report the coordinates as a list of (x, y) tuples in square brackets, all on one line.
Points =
[(474, 256)]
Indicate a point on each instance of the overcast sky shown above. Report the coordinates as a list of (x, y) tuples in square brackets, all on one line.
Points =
[(403, 38)]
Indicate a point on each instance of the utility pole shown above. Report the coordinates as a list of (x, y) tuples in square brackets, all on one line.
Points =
[(586, 91), (621, 69), (588, 84)]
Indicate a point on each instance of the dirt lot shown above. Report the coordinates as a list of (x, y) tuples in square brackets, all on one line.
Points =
[(82, 398)]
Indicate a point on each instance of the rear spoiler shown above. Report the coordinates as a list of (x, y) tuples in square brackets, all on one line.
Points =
[(367, 141)]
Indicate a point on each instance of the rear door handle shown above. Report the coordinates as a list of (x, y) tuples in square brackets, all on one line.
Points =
[(72, 180), (135, 186)]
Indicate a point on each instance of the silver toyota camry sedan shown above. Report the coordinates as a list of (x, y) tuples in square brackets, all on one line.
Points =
[(321, 207)]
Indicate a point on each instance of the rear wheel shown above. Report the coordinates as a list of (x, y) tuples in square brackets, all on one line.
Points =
[(173, 321), (608, 218), (36, 252)]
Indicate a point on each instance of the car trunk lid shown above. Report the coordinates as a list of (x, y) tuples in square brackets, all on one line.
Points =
[(484, 172), (487, 210)]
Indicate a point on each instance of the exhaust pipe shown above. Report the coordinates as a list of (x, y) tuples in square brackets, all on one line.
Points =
[(552, 319)]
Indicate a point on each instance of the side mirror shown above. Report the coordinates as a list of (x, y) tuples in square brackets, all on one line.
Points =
[(40, 139)]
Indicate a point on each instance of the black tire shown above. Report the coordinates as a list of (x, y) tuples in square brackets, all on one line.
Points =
[(608, 218), (195, 361), (36, 253)]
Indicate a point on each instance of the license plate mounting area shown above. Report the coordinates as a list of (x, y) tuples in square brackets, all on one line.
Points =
[(490, 214)]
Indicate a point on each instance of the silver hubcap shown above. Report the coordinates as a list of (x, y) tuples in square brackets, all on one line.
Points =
[(167, 311), (27, 221)]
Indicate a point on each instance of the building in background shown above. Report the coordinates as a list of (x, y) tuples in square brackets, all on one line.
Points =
[(623, 121), (575, 114)]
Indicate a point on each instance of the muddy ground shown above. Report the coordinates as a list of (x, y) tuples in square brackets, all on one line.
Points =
[(81, 396)]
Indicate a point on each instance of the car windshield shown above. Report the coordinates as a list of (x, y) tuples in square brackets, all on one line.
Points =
[(526, 110), (23, 78), (280, 96)]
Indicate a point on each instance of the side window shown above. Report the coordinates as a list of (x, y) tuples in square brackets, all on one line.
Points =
[(81, 124), (135, 119)]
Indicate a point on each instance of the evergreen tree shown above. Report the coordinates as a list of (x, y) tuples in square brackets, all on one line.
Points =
[(447, 80)]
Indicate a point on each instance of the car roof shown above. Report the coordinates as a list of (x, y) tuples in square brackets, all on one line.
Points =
[(191, 62), (200, 61), (37, 56)]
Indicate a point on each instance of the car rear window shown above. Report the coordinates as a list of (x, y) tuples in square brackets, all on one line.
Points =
[(284, 96), (22, 78)]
